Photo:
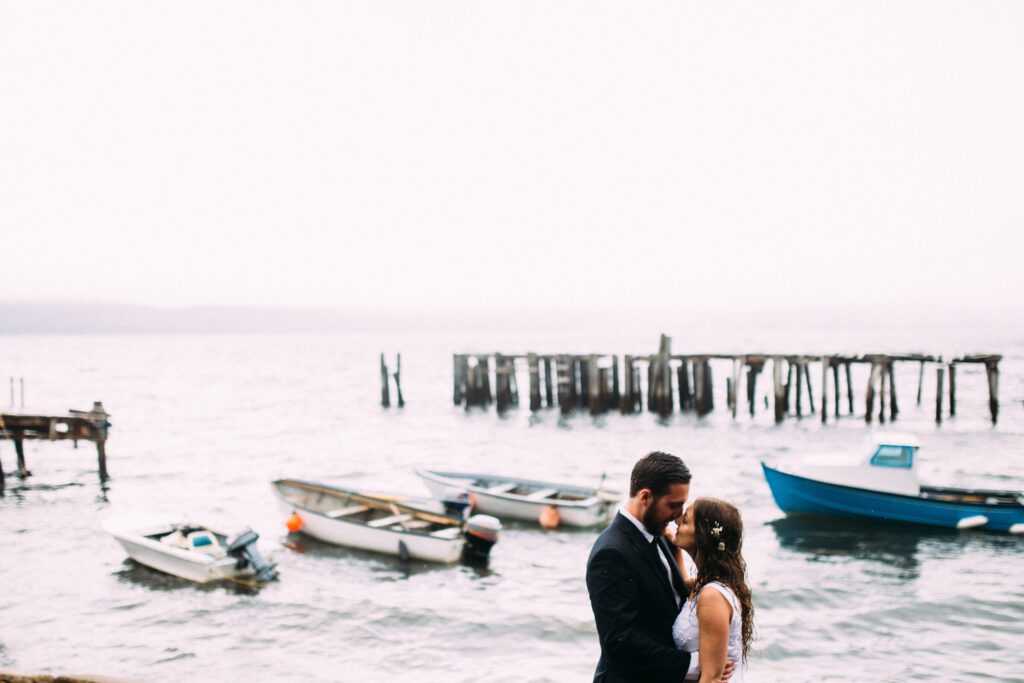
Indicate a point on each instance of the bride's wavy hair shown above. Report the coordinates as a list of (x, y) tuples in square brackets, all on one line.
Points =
[(718, 531)]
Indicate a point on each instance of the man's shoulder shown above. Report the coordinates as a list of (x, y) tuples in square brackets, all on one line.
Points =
[(613, 537)]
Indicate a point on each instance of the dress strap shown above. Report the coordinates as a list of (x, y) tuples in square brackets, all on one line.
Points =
[(729, 595)]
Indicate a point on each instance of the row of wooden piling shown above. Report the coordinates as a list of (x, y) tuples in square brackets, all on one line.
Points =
[(592, 382)]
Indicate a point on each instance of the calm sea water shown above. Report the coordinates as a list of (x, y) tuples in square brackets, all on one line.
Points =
[(202, 424)]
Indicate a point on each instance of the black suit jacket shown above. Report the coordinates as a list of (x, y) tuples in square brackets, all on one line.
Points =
[(634, 608)]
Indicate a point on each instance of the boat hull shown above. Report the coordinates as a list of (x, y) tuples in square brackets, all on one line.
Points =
[(184, 564), (509, 506), (385, 541), (800, 495)]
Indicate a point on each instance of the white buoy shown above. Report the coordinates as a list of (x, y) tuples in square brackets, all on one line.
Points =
[(1017, 528), (972, 522)]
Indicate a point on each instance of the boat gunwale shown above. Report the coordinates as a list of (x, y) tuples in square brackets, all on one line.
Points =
[(416, 512), (452, 479)]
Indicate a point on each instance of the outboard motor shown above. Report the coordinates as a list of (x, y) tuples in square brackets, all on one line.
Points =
[(481, 534), (457, 505), (244, 549)]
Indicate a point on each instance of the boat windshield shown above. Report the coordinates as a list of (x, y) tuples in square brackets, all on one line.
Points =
[(893, 456)]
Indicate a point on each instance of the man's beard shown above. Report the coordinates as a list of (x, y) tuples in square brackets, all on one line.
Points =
[(651, 522)]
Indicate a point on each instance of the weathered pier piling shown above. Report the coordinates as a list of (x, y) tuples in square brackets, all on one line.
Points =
[(78, 425), (385, 392), (661, 381)]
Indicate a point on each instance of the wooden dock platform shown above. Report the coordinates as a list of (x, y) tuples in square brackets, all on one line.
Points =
[(77, 425), (599, 383)]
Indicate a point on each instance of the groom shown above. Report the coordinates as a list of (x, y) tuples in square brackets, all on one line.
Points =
[(635, 586)]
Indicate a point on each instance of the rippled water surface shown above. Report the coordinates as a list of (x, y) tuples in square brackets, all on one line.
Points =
[(202, 424)]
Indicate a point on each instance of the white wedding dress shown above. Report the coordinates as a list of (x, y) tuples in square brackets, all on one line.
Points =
[(686, 632)]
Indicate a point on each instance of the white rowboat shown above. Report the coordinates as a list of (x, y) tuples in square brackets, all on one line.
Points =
[(525, 499), (383, 524)]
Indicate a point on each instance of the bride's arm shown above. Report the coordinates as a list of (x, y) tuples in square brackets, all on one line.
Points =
[(713, 614)]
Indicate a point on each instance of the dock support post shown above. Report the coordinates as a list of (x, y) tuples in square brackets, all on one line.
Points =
[(534, 367), (938, 393), (780, 394), (824, 389), (502, 383), (19, 448), (637, 391), (685, 395), (101, 459), (734, 390), (894, 408), (835, 382), (754, 369), (810, 392), (799, 389), (385, 396), (398, 380), (485, 377), (604, 388), (513, 382), (616, 388), (849, 388), (883, 369), (869, 399), (549, 396), (626, 402), (458, 378), (563, 366), (992, 370), (702, 386), (593, 386), (952, 390)]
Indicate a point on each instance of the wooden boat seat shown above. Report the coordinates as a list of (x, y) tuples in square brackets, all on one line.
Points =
[(417, 524), (542, 494), (344, 512), (388, 521), (448, 533), (502, 488)]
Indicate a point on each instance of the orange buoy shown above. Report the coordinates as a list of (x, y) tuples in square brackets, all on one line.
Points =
[(294, 522), (549, 518), (472, 502)]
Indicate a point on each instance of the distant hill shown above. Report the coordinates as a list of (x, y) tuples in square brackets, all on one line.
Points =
[(104, 318), (70, 318)]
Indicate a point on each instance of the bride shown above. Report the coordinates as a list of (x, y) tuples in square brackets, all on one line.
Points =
[(717, 618)]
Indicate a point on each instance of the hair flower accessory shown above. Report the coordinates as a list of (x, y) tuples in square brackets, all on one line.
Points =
[(721, 545), (716, 530)]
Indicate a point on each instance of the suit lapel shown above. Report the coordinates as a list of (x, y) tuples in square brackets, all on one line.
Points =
[(646, 552)]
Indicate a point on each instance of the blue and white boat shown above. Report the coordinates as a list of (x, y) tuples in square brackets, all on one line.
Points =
[(884, 485)]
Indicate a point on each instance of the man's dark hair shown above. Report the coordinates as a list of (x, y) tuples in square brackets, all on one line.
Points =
[(657, 471)]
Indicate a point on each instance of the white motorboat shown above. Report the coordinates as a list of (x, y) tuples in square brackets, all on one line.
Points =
[(383, 524), (195, 552), (525, 499)]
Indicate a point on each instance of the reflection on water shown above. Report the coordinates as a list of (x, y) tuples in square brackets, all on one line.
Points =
[(140, 575), (893, 544), (388, 567)]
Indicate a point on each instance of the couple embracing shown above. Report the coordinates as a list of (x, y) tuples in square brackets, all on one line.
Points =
[(655, 622)]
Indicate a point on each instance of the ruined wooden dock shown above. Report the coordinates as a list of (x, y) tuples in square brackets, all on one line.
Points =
[(663, 381), (77, 425)]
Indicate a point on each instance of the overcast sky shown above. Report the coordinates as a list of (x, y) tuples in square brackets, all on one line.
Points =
[(435, 155)]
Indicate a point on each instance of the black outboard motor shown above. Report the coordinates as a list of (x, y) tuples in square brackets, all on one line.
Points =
[(244, 549), (481, 535)]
